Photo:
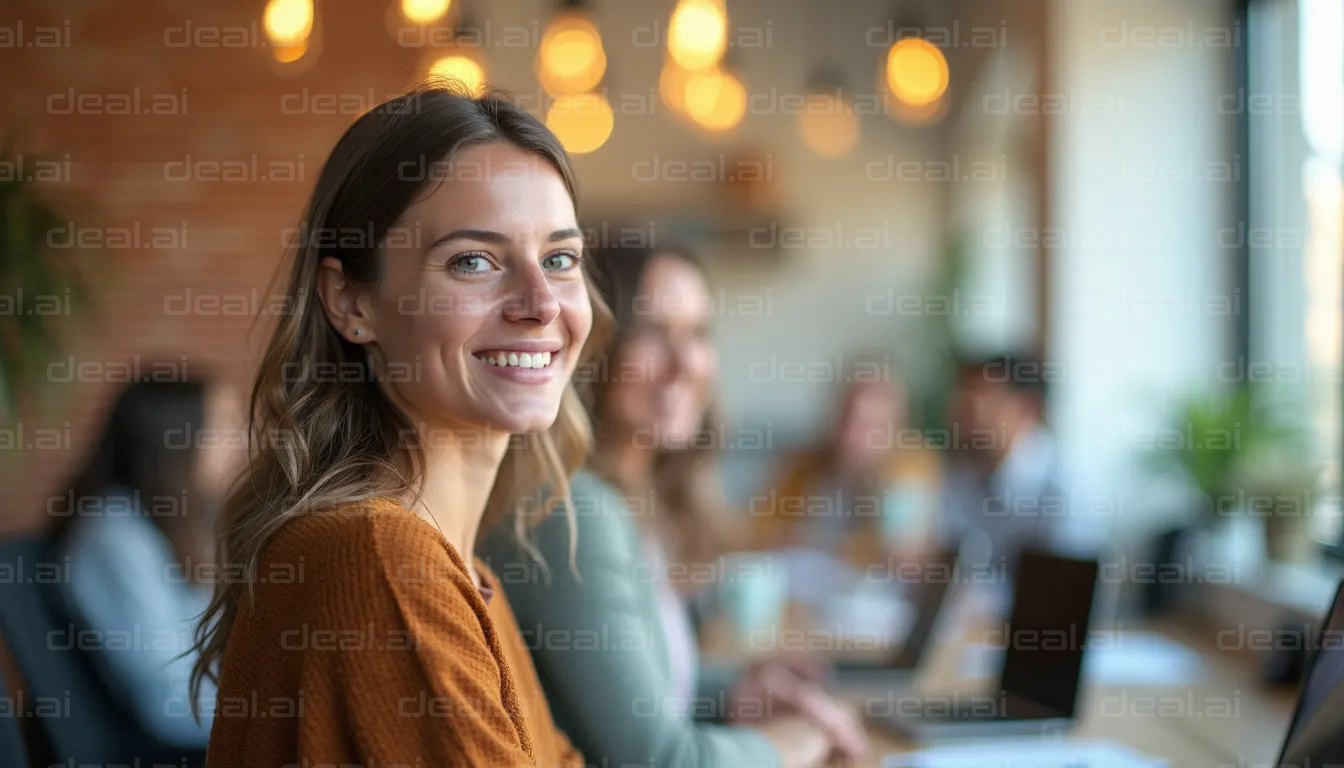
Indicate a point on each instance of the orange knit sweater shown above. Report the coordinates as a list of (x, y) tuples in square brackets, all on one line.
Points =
[(369, 645)]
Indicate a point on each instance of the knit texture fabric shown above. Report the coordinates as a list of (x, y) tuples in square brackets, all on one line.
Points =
[(368, 644)]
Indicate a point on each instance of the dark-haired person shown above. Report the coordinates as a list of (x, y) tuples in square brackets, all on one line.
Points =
[(420, 387), (136, 525), (1004, 491), (649, 508)]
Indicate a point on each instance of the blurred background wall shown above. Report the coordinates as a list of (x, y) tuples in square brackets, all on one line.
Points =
[(1076, 192)]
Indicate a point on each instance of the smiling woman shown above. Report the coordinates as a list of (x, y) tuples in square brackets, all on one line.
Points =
[(376, 484)]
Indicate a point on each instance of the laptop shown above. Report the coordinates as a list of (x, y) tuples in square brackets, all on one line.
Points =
[(1042, 664), (1316, 732), (900, 667)]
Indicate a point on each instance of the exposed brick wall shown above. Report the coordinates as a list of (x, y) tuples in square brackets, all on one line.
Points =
[(226, 233)]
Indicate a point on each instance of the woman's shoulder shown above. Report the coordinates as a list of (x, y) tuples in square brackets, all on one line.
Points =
[(593, 489), (376, 530), (372, 547), (598, 524)]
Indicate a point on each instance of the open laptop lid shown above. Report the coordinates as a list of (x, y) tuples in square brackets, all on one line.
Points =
[(1048, 630), (1316, 732), (937, 579)]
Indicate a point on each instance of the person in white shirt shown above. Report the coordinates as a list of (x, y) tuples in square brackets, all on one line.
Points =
[(1003, 493)]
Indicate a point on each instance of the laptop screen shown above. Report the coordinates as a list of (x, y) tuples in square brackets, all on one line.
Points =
[(1317, 730), (1052, 604)]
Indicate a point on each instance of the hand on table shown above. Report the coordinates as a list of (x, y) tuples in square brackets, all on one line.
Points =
[(777, 683), (799, 742)]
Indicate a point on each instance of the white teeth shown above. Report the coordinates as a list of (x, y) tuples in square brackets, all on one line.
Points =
[(518, 359)]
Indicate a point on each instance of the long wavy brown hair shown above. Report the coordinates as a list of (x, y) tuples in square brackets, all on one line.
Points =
[(320, 441), (689, 513)]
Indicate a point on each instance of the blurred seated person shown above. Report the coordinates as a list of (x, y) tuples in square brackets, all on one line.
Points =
[(1003, 492), (648, 509), (868, 491), (137, 527)]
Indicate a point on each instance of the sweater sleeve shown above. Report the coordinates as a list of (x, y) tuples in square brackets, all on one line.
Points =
[(415, 658), (597, 644)]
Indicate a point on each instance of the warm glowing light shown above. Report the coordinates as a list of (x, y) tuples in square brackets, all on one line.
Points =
[(424, 11), (672, 86), (570, 59), (461, 67), (582, 122), (828, 125), (916, 71), (716, 100), (697, 35), (290, 53), (288, 22)]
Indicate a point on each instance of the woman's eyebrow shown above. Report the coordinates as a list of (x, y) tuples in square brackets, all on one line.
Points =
[(498, 238), (480, 235), (565, 234)]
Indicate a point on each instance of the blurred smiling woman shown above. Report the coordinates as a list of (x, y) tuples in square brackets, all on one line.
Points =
[(648, 508), (385, 436)]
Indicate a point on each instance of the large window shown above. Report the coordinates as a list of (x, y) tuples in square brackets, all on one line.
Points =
[(1293, 103)]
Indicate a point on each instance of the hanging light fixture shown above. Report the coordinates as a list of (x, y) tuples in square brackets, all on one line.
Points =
[(463, 64), (288, 23), (570, 59), (695, 82), (463, 61), (583, 122), (715, 99), (697, 34), (915, 73), (424, 11)]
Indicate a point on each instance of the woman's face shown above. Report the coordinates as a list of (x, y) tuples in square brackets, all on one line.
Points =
[(870, 413), (666, 369), (483, 309)]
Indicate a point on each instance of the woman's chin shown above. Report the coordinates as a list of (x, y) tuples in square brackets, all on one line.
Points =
[(528, 421)]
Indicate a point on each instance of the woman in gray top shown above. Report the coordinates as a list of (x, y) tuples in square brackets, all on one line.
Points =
[(136, 526), (595, 598)]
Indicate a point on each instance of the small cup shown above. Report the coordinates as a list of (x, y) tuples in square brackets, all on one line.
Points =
[(753, 592)]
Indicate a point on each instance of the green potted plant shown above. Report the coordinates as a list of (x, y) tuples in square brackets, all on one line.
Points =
[(1243, 459), (39, 286), (1278, 476)]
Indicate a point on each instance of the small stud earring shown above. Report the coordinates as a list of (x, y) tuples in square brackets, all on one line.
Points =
[(358, 331)]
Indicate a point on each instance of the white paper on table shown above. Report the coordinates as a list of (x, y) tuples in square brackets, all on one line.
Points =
[(1027, 753), (872, 614), (1128, 658), (1142, 658)]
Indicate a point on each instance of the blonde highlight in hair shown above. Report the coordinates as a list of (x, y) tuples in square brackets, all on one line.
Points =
[(320, 442)]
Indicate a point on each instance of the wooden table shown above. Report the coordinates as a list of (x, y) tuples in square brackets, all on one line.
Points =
[(1213, 722)]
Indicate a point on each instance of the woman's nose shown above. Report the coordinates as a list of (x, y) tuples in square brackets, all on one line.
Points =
[(532, 299)]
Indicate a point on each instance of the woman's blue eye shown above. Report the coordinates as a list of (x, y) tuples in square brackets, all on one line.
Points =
[(558, 261), (471, 262)]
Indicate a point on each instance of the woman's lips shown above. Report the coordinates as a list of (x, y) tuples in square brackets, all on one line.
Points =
[(521, 367)]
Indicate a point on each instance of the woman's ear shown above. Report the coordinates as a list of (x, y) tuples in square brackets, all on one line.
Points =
[(345, 302)]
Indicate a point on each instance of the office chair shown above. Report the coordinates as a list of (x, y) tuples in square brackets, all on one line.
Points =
[(85, 724)]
